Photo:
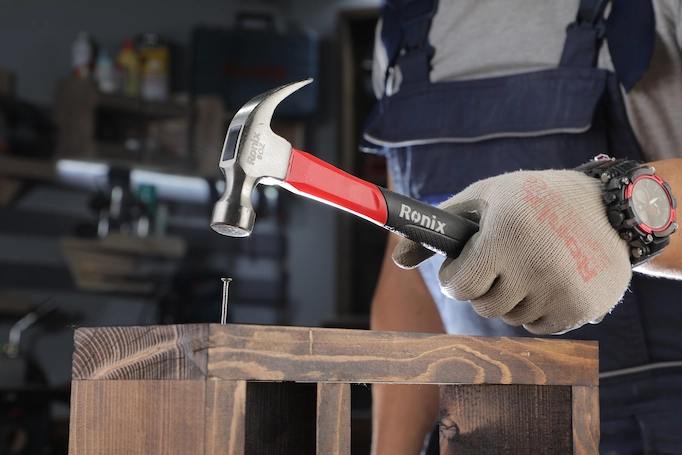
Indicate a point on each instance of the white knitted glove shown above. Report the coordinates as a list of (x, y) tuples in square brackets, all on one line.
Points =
[(545, 256)]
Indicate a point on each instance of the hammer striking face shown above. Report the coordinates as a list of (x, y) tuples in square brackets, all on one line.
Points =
[(253, 154)]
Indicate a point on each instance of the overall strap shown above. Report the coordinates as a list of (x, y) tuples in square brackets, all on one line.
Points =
[(584, 36), (405, 32), (630, 31)]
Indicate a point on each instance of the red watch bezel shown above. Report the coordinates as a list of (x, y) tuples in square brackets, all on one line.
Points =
[(673, 216)]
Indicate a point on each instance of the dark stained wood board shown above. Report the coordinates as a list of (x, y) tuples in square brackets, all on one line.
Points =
[(342, 355), (276, 353), (246, 371), (505, 420), (585, 420), (137, 417), (333, 418)]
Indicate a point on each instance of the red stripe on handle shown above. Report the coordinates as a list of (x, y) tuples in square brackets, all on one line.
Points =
[(315, 178)]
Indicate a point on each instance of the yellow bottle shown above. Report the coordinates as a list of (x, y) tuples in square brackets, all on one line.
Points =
[(129, 63)]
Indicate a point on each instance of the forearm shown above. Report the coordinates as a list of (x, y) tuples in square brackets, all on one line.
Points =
[(669, 263), (402, 415)]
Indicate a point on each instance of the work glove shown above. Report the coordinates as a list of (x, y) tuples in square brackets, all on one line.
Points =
[(545, 256)]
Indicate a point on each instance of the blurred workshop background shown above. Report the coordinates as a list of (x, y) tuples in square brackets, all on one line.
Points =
[(112, 119)]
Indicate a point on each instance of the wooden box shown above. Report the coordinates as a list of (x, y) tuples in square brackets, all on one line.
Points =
[(241, 389)]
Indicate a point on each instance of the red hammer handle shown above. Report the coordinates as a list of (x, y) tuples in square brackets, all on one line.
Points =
[(317, 179), (433, 228)]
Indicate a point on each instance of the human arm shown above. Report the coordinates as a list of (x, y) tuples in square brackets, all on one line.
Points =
[(546, 256), (402, 415)]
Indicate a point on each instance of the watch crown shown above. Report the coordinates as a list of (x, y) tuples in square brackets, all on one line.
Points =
[(616, 218), (610, 197)]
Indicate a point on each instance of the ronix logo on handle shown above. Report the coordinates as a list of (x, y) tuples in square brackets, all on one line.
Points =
[(430, 222), (256, 149)]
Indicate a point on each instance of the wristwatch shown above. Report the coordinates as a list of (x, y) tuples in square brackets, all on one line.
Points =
[(639, 204)]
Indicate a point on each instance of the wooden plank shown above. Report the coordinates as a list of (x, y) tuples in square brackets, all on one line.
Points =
[(505, 420), (333, 418), (137, 417), (122, 263), (280, 418), (28, 168), (7, 83), (225, 412), (275, 353), (208, 134), (585, 420), (9, 188), (151, 352), (74, 113)]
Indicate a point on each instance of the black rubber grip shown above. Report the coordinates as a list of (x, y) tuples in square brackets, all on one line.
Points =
[(439, 231)]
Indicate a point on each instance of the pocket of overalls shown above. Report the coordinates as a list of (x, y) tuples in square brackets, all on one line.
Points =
[(554, 101), (440, 137)]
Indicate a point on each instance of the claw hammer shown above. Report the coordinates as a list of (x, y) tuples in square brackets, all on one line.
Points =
[(253, 154)]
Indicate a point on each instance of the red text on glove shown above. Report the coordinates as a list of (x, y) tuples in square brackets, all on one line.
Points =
[(551, 211)]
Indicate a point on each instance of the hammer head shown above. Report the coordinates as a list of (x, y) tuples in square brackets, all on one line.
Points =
[(252, 154)]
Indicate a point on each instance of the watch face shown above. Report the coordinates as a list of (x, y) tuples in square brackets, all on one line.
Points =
[(650, 203)]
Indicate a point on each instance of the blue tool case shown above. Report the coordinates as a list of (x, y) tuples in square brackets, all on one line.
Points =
[(242, 62)]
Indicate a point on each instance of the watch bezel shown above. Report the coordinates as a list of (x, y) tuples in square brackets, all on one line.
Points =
[(643, 228)]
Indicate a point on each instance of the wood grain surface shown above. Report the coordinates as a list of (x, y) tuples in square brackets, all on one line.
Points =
[(137, 418), (225, 413), (585, 420), (505, 420), (276, 353), (150, 352), (333, 419), (243, 389)]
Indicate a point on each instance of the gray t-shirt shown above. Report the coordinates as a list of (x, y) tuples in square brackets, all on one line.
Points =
[(477, 39)]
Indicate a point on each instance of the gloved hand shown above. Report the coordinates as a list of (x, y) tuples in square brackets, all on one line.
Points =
[(545, 257)]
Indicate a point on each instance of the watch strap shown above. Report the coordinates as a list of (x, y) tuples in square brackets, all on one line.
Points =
[(609, 166)]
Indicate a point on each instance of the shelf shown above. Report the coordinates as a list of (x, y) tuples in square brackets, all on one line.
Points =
[(199, 239), (117, 154), (59, 279), (46, 170), (30, 168), (157, 109)]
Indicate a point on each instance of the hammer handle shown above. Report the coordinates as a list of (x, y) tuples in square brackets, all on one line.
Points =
[(435, 229)]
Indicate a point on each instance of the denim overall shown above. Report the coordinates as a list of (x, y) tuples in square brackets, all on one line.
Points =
[(440, 137)]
